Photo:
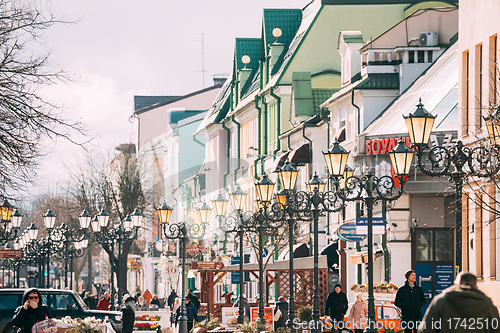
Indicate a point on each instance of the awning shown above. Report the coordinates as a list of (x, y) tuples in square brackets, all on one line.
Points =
[(280, 161), (300, 250), (298, 157), (331, 253), (362, 257)]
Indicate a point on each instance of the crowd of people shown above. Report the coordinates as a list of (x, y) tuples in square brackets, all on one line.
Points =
[(461, 301)]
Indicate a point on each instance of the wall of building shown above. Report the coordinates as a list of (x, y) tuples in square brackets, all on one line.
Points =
[(478, 46)]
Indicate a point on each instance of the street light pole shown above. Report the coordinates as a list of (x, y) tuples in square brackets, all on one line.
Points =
[(362, 188), (182, 232)]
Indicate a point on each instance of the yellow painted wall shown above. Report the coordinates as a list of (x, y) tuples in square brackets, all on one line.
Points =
[(318, 51)]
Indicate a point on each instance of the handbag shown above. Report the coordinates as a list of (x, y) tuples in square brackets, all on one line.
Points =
[(44, 326), (277, 315)]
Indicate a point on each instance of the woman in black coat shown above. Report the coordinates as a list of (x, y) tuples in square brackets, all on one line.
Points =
[(128, 311), (31, 312), (282, 306)]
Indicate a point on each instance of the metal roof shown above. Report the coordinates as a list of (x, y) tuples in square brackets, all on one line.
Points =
[(319, 96), (382, 81), (140, 102)]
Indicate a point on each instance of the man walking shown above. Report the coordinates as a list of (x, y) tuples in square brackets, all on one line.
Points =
[(410, 298), (461, 308), (336, 307)]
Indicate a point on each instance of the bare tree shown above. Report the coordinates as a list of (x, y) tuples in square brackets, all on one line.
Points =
[(115, 185), (26, 116)]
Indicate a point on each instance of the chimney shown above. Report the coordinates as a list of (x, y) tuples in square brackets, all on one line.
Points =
[(275, 50), (243, 75), (302, 95), (220, 79)]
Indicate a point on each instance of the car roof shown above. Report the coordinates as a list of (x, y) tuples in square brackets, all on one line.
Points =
[(43, 290)]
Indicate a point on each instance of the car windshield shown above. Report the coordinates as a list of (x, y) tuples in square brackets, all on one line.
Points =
[(80, 301)]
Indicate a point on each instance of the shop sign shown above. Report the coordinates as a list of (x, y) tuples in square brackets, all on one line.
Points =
[(378, 225), (268, 316), (383, 146), (207, 265), (347, 232)]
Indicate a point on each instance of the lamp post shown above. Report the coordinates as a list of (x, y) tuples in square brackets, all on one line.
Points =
[(367, 188), (109, 235), (182, 232), (456, 162), (9, 223)]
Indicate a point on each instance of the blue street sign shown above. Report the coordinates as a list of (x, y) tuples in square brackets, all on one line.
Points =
[(347, 232), (265, 253), (377, 222), (235, 276)]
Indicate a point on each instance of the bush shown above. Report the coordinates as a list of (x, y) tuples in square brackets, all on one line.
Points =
[(305, 313)]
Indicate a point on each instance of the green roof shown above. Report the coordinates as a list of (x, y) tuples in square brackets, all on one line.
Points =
[(319, 96), (249, 47), (353, 38), (379, 81), (288, 20)]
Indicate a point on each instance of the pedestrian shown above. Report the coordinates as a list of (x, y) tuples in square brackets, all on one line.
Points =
[(280, 313), (191, 313), (136, 297), (89, 300), (155, 301), (192, 297), (458, 304), (246, 306), (175, 306), (358, 314), (31, 311), (104, 302), (147, 296), (142, 305), (336, 307), (410, 298), (128, 318), (171, 298)]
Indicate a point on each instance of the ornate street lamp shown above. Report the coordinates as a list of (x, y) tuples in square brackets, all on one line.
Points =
[(182, 232), (367, 189), (10, 223), (456, 162), (126, 231)]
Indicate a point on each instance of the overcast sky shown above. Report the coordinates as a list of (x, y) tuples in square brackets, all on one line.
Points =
[(119, 49)]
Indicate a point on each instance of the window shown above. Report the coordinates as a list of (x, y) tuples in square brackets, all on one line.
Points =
[(465, 93), (444, 245), (429, 56), (479, 235), (479, 86), (61, 302), (411, 57), (493, 70), (424, 245), (421, 56), (9, 302)]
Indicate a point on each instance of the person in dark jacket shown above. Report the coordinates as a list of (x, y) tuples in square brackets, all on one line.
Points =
[(171, 299), (128, 310), (191, 313), (336, 305), (410, 298), (460, 303), (31, 311), (192, 297), (155, 301), (282, 306), (246, 307), (89, 300)]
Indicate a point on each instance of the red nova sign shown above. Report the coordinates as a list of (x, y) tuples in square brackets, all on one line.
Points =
[(383, 146)]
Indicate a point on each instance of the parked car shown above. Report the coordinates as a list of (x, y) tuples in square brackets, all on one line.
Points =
[(62, 303)]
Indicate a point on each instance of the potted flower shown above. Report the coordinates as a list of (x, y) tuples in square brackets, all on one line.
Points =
[(206, 325)]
